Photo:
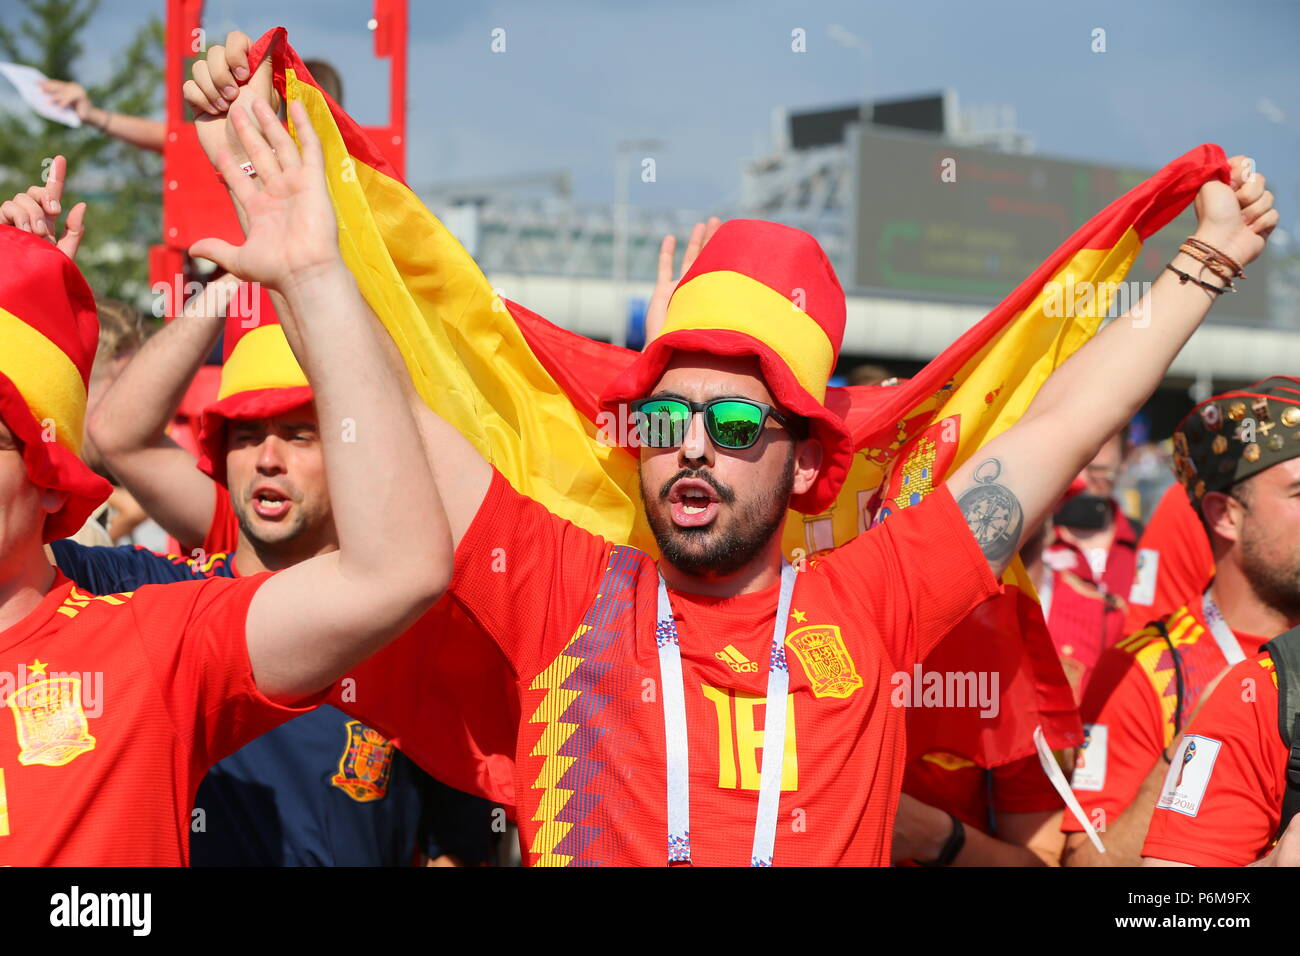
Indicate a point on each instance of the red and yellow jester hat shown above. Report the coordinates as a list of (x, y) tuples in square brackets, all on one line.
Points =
[(260, 377), (48, 334), (762, 289)]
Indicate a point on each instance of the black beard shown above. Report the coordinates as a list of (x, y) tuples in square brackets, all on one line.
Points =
[(714, 551)]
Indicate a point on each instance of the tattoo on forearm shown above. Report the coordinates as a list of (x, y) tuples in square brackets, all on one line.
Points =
[(993, 513)]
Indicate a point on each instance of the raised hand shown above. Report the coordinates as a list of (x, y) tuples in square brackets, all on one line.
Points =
[(37, 209), (65, 93), (657, 309), (221, 81), (292, 235), (1237, 218)]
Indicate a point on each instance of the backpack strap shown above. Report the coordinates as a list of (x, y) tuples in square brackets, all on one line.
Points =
[(1285, 652), (1179, 687)]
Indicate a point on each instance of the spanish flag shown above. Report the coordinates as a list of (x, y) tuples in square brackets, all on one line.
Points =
[(526, 394)]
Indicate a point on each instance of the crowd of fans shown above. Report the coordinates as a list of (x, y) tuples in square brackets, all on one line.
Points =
[(1162, 569)]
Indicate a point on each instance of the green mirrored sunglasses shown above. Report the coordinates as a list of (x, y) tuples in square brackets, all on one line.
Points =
[(732, 423)]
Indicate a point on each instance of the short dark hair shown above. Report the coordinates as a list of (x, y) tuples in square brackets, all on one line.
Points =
[(800, 427)]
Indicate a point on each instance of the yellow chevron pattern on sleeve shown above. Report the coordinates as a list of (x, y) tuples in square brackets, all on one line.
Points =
[(1152, 657), (554, 736)]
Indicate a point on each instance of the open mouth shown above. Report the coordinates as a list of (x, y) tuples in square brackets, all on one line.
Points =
[(270, 504), (694, 503)]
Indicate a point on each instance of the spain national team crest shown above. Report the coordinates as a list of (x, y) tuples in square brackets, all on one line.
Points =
[(51, 722), (825, 660), (366, 764)]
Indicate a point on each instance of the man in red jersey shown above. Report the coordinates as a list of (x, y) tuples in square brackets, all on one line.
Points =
[(1220, 803), (119, 703), (640, 739), (1231, 449), (641, 682)]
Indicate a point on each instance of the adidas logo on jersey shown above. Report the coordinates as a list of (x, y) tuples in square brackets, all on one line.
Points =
[(737, 661)]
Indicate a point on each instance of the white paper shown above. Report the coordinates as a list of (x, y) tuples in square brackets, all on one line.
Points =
[(27, 80)]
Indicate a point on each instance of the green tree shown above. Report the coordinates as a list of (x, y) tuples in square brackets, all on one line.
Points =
[(121, 184)]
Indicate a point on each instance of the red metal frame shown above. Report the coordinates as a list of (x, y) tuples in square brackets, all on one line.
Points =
[(195, 204)]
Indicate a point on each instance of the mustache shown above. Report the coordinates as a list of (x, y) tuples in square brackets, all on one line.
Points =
[(289, 493), (725, 494)]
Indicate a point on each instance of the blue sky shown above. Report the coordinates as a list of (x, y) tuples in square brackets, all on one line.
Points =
[(578, 76)]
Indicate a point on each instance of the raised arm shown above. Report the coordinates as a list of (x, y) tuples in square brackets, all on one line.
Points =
[(138, 131), (1012, 483), (129, 425), (223, 81), (309, 624)]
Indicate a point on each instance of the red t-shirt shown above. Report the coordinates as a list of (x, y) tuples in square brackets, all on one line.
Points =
[(1128, 714), (223, 533), (114, 708), (590, 777), (958, 785), (1174, 563), (1225, 808)]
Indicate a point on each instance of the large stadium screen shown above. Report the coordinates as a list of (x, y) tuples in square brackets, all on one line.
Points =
[(976, 232)]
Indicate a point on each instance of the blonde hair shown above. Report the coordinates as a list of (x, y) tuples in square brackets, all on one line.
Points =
[(122, 330)]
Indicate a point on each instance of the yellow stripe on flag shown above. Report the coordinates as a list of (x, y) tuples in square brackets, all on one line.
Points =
[(472, 365), (989, 394), (466, 356)]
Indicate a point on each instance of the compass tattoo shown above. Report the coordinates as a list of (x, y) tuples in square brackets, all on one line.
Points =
[(993, 513)]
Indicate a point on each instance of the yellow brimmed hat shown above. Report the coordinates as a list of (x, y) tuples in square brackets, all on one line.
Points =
[(260, 378)]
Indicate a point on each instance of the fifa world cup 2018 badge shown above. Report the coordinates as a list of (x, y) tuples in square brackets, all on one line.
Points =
[(825, 660), (366, 764), (51, 722)]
